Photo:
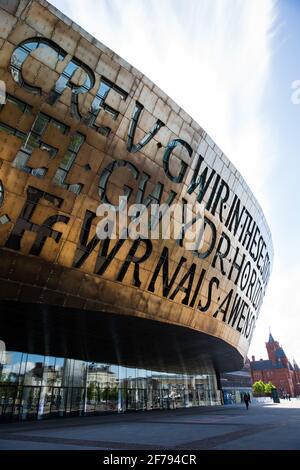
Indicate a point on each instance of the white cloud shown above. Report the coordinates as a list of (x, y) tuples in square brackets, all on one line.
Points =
[(280, 312), (17, 367), (211, 57)]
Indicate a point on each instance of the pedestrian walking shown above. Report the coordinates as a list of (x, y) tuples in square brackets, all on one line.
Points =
[(246, 400)]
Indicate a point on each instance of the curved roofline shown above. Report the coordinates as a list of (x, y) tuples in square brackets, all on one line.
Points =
[(68, 21)]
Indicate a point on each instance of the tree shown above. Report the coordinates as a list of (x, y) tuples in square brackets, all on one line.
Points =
[(259, 387), (91, 391), (262, 388), (269, 387), (94, 392)]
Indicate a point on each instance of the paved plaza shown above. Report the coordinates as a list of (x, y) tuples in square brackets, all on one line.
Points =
[(267, 426)]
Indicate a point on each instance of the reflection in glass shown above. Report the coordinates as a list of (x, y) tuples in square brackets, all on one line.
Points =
[(33, 141), (21, 53), (66, 164), (37, 387)]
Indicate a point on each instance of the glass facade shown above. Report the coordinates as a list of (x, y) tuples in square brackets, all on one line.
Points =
[(236, 384), (38, 387)]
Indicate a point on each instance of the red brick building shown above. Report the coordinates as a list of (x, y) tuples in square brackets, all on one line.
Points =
[(277, 369)]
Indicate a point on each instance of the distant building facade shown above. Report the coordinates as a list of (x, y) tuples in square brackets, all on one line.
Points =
[(235, 384), (277, 369)]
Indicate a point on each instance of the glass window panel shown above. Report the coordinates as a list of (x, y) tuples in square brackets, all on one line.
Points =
[(60, 176), (59, 125), (34, 370), (18, 57), (40, 124), (49, 148), (30, 46), (4, 219), (76, 142), (34, 386), (67, 160), (12, 368), (30, 402), (32, 142)]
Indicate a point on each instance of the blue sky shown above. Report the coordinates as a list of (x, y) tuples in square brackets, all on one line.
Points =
[(230, 64)]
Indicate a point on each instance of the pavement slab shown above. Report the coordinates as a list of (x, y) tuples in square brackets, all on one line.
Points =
[(262, 427)]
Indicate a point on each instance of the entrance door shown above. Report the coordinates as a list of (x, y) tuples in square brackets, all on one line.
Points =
[(8, 394), (141, 399), (131, 399), (76, 401), (58, 401), (30, 402)]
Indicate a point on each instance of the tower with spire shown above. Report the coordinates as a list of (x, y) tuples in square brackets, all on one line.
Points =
[(275, 352), (297, 377), (277, 369), (272, 346)]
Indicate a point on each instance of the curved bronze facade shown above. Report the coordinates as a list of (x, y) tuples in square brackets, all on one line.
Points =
[(80, 126)]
